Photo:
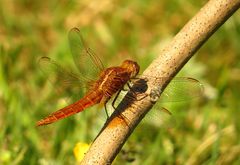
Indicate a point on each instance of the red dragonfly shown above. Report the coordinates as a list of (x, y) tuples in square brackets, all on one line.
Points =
[(104, 84)]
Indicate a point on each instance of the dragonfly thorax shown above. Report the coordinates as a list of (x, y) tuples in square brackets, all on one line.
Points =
[(132, 67)]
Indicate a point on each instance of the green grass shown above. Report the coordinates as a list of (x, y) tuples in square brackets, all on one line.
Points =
[(202, 131)]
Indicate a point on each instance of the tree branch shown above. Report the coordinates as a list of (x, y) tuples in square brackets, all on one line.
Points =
[(171, 59)]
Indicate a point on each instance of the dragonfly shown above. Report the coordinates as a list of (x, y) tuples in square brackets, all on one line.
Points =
[(101, 83)]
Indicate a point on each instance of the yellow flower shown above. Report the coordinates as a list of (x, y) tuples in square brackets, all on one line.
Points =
[(79, 150)]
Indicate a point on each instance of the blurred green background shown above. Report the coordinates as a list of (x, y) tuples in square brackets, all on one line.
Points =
[(202, 131)]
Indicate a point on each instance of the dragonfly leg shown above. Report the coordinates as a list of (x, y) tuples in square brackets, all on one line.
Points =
[(129, 86), (105, 108), (143, 95), (114, 100)]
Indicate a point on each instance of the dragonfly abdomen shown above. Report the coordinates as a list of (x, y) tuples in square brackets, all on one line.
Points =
[(90, 99)]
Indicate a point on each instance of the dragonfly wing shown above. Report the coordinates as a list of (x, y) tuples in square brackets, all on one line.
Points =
[(182, 89), (179, 89), (87, 62), (65, 82)]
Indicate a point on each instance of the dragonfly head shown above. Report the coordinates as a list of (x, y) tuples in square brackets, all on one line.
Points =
[(132, 67)]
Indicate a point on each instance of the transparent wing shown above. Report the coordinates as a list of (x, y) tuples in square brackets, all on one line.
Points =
[(88, 63), (182, 89), (179, 89), (65, 82)]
